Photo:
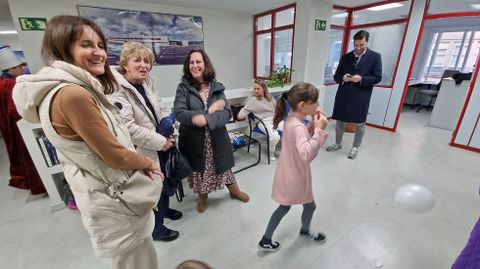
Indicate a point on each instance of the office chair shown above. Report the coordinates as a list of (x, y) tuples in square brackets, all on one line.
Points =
[(433, 93), (253, 123)]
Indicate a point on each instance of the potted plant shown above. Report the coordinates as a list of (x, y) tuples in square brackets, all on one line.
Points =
[(280, 77)]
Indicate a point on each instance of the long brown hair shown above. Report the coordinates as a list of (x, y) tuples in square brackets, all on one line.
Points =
[(60, 35), (300, 92), (208, 74), (266, 94)]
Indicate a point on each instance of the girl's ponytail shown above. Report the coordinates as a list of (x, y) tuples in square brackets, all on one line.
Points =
[(280, 109)]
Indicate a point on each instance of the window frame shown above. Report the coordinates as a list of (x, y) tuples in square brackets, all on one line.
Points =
[(349, 26), (272, 30)]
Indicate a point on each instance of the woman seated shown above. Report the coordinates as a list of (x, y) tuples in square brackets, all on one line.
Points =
[(262, 105)]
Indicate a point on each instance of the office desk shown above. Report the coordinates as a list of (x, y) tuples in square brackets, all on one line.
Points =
[(449, 103), (413, 87)]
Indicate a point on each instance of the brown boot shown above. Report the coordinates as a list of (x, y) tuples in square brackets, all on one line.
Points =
[(236, 193), (202, 202)]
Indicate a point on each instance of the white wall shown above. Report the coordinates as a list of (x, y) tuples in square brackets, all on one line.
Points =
[(228, 38), (310, 47), (469, 122)]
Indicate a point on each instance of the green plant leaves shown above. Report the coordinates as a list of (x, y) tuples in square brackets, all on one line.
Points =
[(280, 77)]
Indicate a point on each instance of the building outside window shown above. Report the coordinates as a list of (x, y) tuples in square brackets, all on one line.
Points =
[(456, 50)]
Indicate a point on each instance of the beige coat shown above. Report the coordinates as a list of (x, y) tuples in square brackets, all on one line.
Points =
[(113, 228), (138, 117)]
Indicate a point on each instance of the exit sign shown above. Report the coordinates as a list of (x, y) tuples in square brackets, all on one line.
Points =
[(33, 24), (320, 25)]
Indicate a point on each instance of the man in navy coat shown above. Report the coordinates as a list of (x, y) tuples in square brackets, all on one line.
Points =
[(356, 74)]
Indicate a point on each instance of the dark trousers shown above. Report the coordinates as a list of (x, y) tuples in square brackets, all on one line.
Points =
[(163, 206)]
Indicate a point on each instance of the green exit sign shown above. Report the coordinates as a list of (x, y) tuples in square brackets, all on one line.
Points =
[(320, 25), (32, 24)]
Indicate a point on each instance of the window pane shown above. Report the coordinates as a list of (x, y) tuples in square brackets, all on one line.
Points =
[(473, 54), (448, 48), (283, 49), (397, 10), (461, 61), (339, 17), (447, 6), (284, 17), (385, 40), (264, 23), (335, 48), (263, 55)]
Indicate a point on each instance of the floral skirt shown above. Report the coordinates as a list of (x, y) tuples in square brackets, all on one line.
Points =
[(208, 181)]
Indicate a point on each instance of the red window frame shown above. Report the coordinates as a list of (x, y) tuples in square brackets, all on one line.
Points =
[(272, 30), (349, 26)]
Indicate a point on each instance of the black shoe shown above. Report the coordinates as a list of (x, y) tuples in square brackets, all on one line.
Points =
[(167, 236), (173, 214), (267, 245), (319, 237)]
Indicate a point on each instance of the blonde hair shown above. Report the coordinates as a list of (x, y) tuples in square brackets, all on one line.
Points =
[(266, 94), (133, 49)]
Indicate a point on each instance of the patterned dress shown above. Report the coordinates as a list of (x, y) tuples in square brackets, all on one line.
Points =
[(208, 181)]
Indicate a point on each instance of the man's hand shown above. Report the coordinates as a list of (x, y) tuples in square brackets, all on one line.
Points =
[(347, 77), (153, 170), (199, 120), (356, 78)]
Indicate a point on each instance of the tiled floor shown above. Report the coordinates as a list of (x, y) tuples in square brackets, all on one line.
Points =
[(355, 209)]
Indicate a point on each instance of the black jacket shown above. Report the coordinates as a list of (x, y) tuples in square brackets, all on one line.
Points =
[(353, 99), (192, 138)]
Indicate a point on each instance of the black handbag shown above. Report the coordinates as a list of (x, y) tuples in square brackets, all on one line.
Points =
[(177, 168)]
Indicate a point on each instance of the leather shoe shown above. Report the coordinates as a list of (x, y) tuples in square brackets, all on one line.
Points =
[(173, 214), (167, 236)]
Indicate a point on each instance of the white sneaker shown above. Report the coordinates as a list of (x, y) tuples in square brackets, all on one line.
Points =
[(334, 147), (353, 153)]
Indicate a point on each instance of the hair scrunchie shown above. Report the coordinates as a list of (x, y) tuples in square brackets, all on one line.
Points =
[(285, 95)]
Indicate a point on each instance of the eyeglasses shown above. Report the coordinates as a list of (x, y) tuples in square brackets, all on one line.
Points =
[(259, 81)]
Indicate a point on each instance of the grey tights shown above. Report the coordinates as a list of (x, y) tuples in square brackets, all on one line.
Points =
[(340, 129), (282, 210)]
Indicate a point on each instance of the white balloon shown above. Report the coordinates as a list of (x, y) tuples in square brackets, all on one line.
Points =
[(415, 198)]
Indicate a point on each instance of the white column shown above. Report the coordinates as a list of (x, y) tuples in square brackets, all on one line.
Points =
[(310, 46), (405, 61)]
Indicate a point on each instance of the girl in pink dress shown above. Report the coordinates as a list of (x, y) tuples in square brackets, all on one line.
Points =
[(292, 183)]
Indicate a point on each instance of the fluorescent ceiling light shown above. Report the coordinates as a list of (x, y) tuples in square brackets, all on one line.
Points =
[(475, 6), (386, 6), (340, 15), (10, 32)]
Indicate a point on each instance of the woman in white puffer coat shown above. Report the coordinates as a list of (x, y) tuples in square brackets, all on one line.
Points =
[(142, 111), (68, 98)]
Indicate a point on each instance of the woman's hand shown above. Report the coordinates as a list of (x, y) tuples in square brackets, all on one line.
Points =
[(153, 171), (216, 106), (199, 120), (168, 144)]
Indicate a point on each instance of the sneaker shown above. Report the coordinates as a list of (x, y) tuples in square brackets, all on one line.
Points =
[(353, 153), (267, 245), (319, 237), (334, 147)]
